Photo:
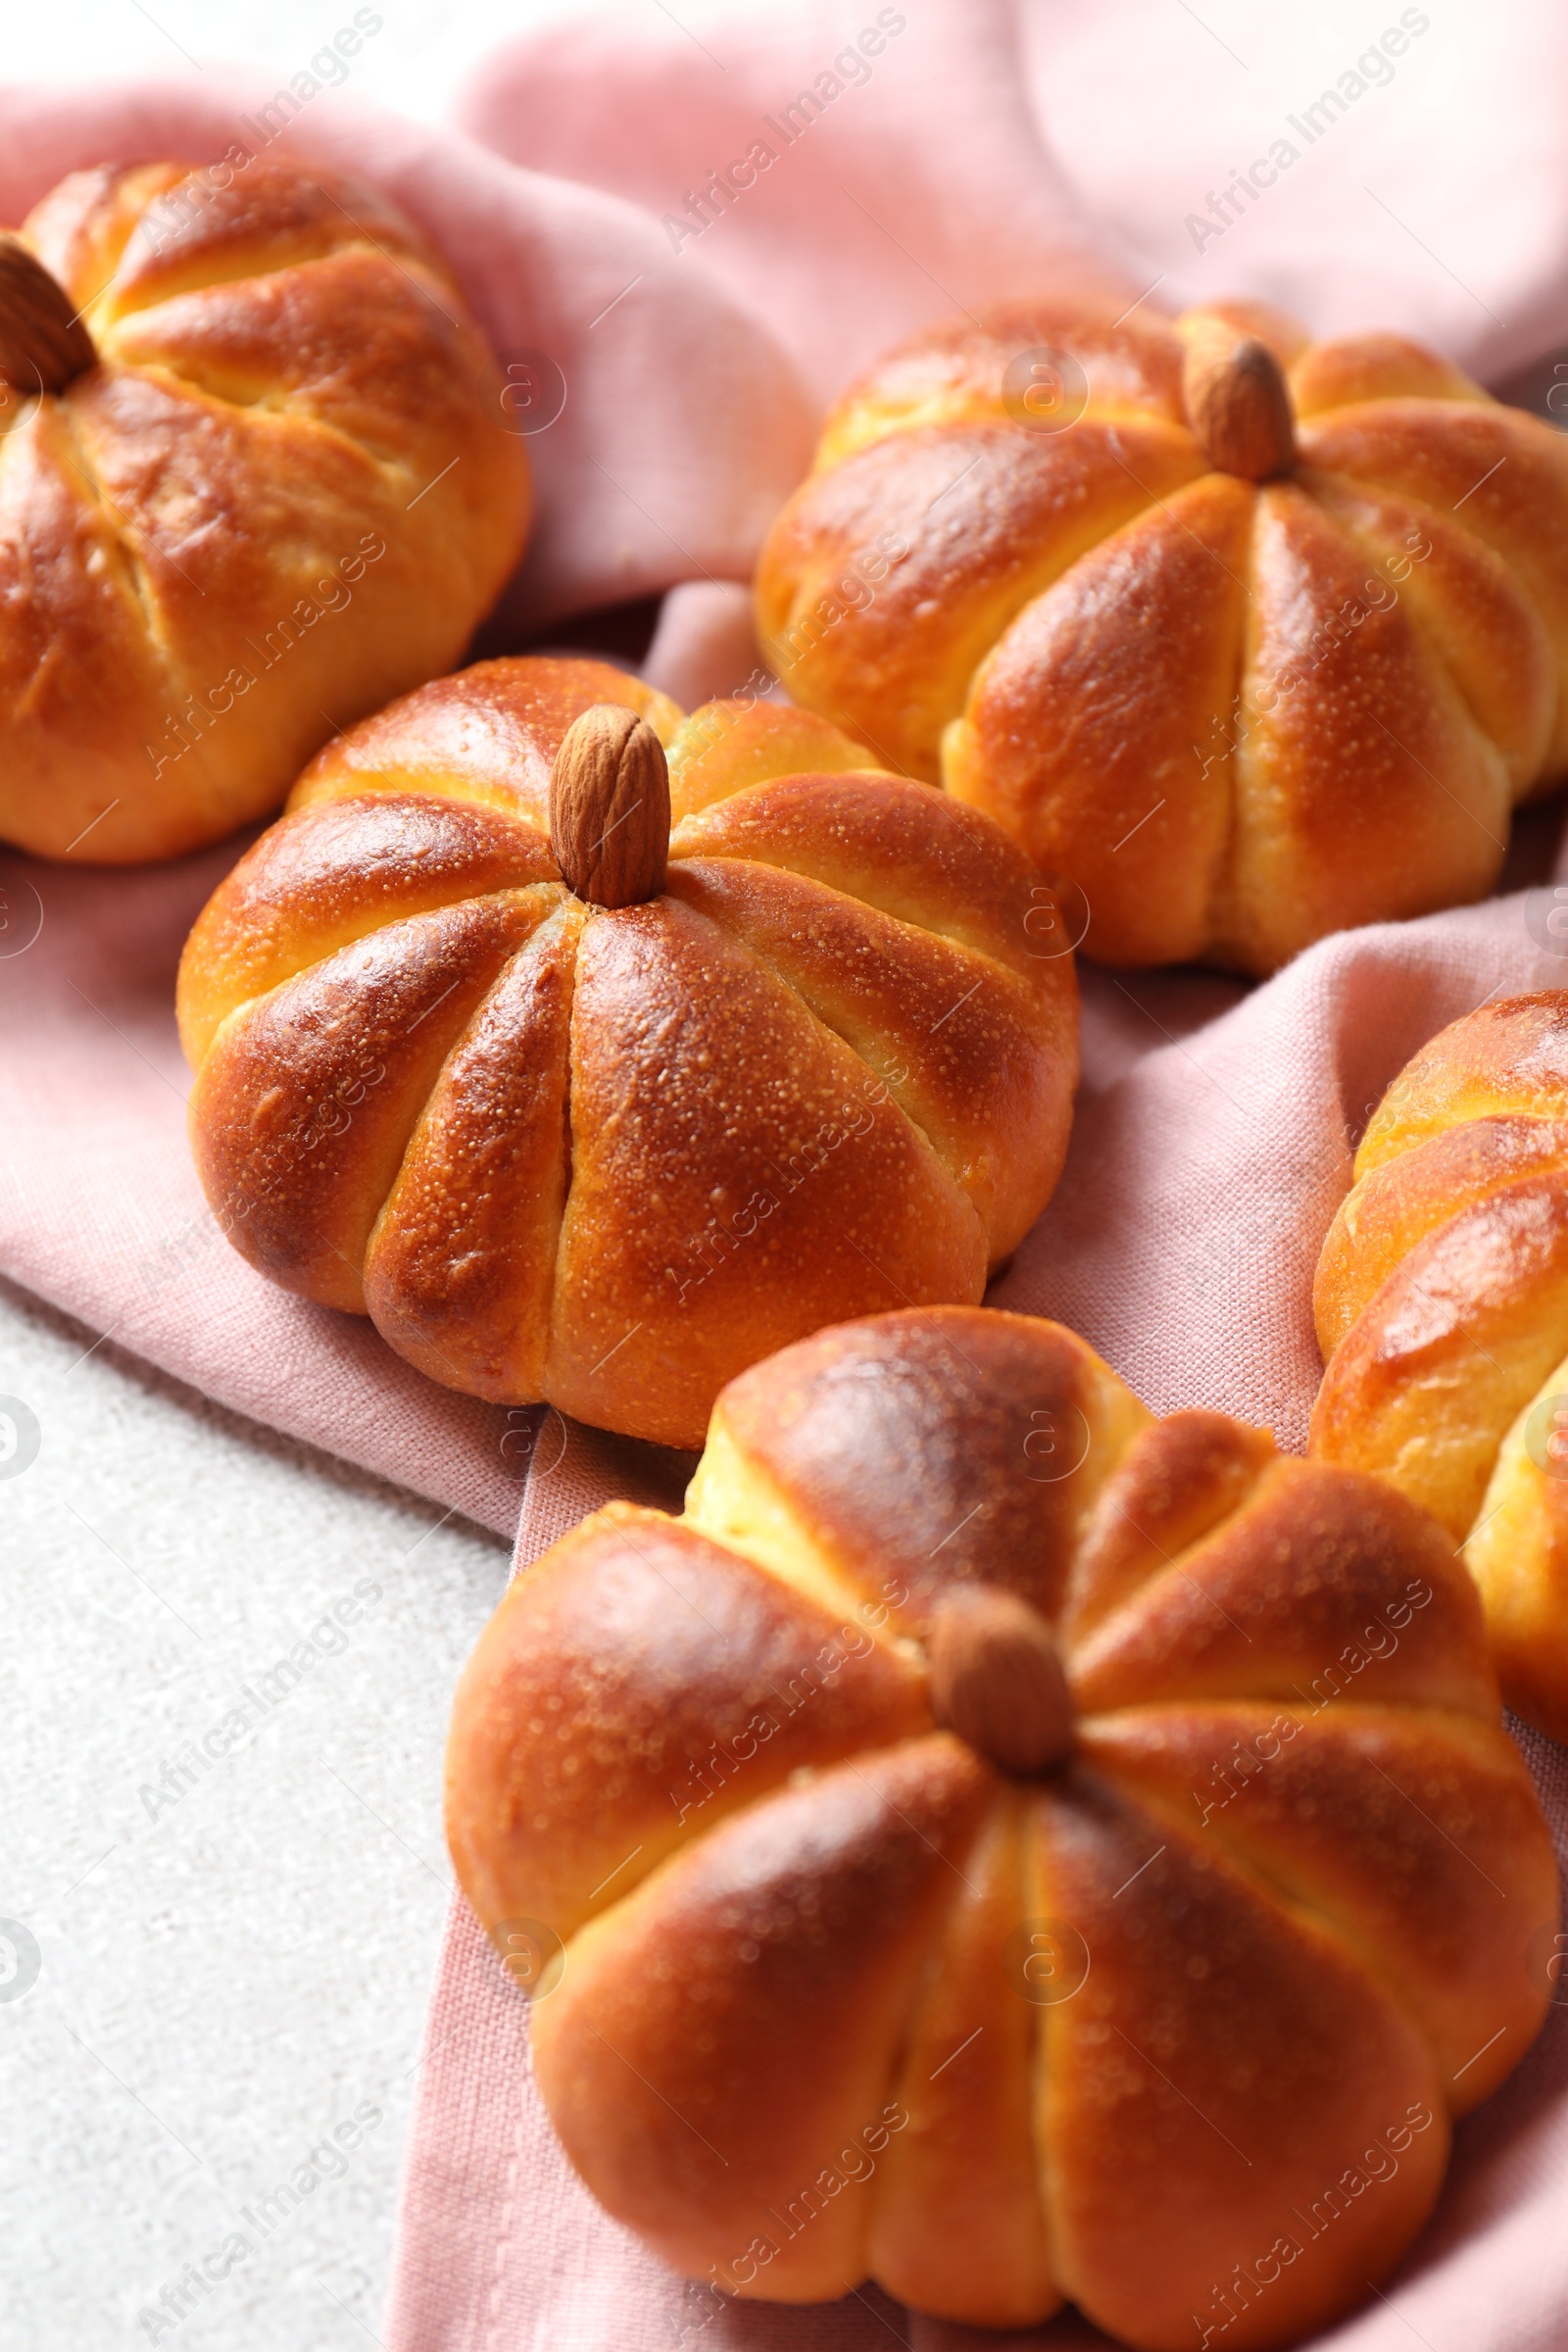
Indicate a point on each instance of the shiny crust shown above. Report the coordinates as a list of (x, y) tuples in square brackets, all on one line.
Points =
[(1441, 1305), (991, 517), (611, 1157), (793, 2024), (489, 745), (1238, 717), (229, 537)]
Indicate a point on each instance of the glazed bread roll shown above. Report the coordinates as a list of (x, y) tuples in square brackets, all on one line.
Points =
[(258, 486), (1442, 1304), (1248, 638), (1005, 1847), (581, 1108)]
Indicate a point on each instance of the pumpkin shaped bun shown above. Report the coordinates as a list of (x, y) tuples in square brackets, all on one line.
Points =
[(253, 483), (1006, 1846), (1442, 1302), (1249, 638), (578, 1104)]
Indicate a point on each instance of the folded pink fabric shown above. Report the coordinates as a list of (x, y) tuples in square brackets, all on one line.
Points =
[(1412, 159), (907, 176), (994, 147), (946, 155)]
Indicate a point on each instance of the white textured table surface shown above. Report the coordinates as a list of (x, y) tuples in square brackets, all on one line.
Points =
[(234, 1949)]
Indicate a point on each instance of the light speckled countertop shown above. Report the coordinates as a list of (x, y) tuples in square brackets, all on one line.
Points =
[(232, 1961)]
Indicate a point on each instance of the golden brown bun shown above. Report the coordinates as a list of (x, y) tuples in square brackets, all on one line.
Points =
[(610, 1157), (826, 1996), (281, 496), (1235, 714), (1441, 1304)]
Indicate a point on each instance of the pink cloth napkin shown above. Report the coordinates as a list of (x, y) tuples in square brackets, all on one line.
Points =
[(984, 149), (996, 146)]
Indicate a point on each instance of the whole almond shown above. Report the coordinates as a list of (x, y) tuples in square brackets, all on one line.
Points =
[(1238, 404), (609, 807), (43, 346), (997, 1680)]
